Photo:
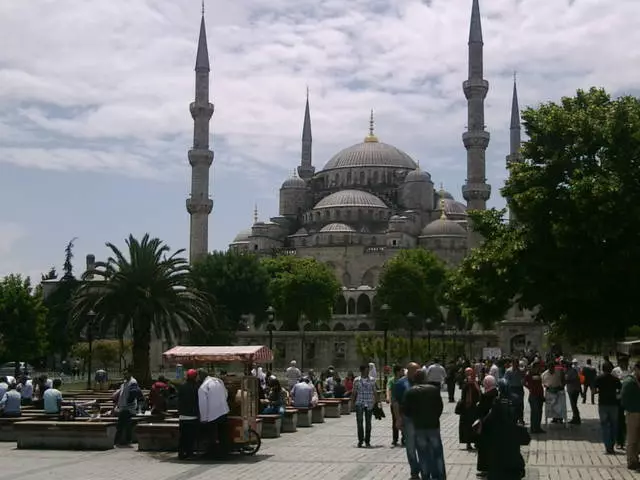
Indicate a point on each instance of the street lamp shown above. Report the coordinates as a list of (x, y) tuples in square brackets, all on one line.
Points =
[(303, 319), (455, 345), (91, 315), (428, 323), (271, 313), (385, 323), (411, 317)]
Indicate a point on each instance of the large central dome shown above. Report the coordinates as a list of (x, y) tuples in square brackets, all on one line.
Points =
[(371, 154)]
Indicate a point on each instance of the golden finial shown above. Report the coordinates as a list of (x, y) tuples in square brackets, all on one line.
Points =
[(443, 215), (255, 213), (371, 138)]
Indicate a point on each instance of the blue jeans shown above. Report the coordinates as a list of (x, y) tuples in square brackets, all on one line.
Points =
[(409, 435), (430, 454), (363, 415), (608, 424)]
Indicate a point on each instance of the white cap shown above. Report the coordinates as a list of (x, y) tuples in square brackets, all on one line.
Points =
[(293, 363), (574, 361)]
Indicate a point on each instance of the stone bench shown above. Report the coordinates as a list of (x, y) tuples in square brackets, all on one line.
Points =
[(317, 414), (345, 406), (271, 425), (158, 437), (65, 435), (304, 417), (290, 420), (7, 432), (331, 408)]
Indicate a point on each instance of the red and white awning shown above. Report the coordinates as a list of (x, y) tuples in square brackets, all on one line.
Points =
[(242, 354)]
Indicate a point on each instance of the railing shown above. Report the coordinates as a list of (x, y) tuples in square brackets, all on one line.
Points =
[(374, 250)]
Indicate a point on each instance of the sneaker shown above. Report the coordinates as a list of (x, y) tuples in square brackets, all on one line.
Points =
[(359, 444), (367, 445), (394, 444)]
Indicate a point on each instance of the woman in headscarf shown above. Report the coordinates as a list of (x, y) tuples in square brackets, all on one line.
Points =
[(501, 434), (487, 400), (373, 373), (467, 408)]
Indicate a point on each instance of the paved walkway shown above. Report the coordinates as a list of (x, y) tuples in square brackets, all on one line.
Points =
[(326, 451)]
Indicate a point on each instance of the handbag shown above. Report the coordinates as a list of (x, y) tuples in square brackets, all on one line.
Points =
[(459, 408)]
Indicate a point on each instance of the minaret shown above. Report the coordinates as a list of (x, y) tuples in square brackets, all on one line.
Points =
[(476, 191), (515, 138), (199, 205), (306, 169)]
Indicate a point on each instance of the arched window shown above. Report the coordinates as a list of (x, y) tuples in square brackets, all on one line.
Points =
[(339, 327), (370, 277), (375, 177), (309, 327), (364, 304), (362, 178), (346, 279), (363, 327), (324, 328), (349, 177), (351, 307), (337, 179)]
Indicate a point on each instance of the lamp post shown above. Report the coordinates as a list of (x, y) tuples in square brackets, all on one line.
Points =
[(91, 315), (455, 345), (271, 313), (303, 318), (411, 317), (385, 323), (428, 323)]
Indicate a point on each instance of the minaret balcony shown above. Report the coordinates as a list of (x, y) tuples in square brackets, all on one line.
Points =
[(201, 110), (199, 157), (476, 191), (475, 87), (199, 205), (476, 139)]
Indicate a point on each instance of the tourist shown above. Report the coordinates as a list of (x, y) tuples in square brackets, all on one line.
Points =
[(452, 374), (365, 396), (158, 396), (276, 397), (494, 370), (10, 402), (26, 390), (395, 432), (214, 408), (404, 423), (621, 372), (574, 390), (555, 399), (188, 415), (533, 382), (514, 377), (292, 374), (467, 408), (630, 399), (435, 374), (607, 388), (127, 398), (348, 383), (339, 390), (589, 373), (302, 394), (422, 405), (101, 377), (52, 398), (487, 399), (4, 386)]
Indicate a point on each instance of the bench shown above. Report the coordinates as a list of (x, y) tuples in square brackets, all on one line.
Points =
[(271, 425), (304, 417), (290, 420), (345, 406), (331, 407), (7, 432), (158, 437), (317, 414), (65, 435)]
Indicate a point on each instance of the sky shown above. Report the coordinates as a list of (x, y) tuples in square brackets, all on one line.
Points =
[(94, 97)]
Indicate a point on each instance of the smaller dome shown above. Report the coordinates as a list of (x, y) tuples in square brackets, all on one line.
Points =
[(417, 175), (242, 236), (445, 194), (452, 207), (294, 182), (302, 232), (443, 227), (351, 198), (337, 228)]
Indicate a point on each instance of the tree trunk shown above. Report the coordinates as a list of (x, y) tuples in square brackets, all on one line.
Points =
[(140, 353)]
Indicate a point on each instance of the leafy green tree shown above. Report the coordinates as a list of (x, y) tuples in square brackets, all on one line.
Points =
[(238, 284), (412, 281), (300, 286), (149, 290), (22, 320), (576, 197), (104, 353)]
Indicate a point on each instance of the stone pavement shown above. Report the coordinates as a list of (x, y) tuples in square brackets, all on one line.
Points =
[(327, 451)]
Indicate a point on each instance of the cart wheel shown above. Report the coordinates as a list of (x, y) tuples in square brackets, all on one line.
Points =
[(253, 444)]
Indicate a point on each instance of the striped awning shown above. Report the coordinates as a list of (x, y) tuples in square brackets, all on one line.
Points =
[(242, 354)]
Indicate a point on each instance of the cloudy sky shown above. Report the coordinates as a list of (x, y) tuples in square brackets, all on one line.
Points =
[(95, 126)]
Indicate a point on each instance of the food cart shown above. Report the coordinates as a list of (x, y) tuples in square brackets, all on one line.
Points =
[(244, 397)]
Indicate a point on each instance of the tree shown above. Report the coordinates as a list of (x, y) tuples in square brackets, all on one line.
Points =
[(149, 291), (576, 197), (22, 320), (238, 284), (105, 353), (412, 281), (300, 286)]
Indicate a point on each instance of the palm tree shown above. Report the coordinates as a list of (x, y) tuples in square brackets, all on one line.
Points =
[(150, 291)]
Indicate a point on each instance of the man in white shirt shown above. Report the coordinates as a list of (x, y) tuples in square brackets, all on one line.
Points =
[(214, 407), (494, 371), (26, 390), (4, 386), (436, 374), (293, 374), (302, 394)]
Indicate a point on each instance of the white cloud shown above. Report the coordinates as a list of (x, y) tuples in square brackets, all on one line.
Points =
[(105, 86)]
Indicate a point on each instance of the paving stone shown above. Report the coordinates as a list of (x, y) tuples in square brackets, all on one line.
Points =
[(328, 450)]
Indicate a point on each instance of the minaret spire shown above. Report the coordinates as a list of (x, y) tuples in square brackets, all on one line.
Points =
[(476, 191), (306, 169), (515, 138), (199, 205)]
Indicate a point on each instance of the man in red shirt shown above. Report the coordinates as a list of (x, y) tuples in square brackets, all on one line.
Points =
[(533, 383)]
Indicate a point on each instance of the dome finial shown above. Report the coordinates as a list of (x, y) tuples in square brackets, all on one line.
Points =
[(371, 137), (255, 212), (443, 215), (203, 8)]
